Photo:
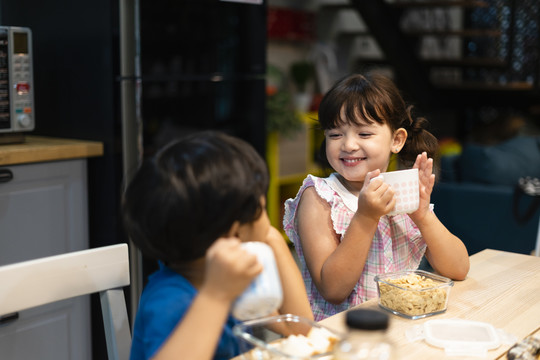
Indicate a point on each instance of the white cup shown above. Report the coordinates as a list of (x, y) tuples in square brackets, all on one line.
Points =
[(264, 295), (406, 188)]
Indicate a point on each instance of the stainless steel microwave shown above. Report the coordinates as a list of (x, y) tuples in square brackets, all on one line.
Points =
[(17, 113)]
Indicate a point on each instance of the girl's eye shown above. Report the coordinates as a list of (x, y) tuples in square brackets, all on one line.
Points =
[(364, 135), (333, 135)]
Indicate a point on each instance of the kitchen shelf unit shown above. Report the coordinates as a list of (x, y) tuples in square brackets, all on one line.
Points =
[(289, 160)]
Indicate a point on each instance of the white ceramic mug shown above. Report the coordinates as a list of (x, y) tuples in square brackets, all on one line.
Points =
[(264, 295), (406, 188)]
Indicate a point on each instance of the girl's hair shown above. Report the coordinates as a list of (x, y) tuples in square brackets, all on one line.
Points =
[(375, 98), (191, 192)]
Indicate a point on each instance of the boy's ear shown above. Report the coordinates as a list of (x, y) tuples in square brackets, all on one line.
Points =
[(400, 136), (234, 230)]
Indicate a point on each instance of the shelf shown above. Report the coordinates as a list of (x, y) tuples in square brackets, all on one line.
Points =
[(289, 161), (480, 86), (467, 62), (414, 4), (459, 63), (350, 34), (441, 3), (458, 33), (438, 33), (471, 94), (335, 7), (209, 78)]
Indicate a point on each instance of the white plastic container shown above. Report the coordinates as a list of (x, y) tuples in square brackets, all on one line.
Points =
[(461, 337), (406, 188), (265, 294)]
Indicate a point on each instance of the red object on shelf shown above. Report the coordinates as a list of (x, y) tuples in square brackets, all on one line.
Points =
[(290, 24)]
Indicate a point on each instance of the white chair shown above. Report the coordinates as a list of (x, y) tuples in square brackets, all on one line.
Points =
[(43, 281)]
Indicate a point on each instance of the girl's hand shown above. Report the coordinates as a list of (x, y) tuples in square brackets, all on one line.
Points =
[(426, 180), (229, 269), (376, 197)]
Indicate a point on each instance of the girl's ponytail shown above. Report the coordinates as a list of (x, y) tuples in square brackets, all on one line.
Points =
[(419, 139)]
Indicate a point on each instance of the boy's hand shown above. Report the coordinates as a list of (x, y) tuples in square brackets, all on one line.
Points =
[(274, 237), (376, 197), (229, 269)]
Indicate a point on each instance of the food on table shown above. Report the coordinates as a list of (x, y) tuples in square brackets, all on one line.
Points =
[(317, 341), (413, 294)]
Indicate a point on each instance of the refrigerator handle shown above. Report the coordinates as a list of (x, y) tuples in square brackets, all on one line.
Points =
[(130, 83)]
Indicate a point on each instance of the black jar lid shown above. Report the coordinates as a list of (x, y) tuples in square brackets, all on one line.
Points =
[(367, 319)]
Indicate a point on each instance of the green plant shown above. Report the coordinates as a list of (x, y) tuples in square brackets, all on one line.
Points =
[(281, 116), (301, 73)]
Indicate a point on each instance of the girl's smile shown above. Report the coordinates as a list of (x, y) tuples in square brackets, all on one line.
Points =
[(352, 161)]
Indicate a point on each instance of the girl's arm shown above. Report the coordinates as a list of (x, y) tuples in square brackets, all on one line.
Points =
[(295, 299), (229, 270), (336, 266), (445, 252)]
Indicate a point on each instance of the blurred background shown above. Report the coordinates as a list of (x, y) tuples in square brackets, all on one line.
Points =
[(135, 74)]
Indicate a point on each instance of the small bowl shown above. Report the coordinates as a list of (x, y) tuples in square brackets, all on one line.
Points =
[(284, 337), (413, 294)]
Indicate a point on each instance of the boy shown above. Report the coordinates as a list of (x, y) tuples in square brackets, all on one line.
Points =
[(190, 207)]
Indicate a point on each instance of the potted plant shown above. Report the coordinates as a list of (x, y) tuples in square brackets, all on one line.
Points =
[(302, 72), (279, 105)]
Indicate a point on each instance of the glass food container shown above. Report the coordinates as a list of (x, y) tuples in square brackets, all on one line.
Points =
[(285, 337), (413, 294)]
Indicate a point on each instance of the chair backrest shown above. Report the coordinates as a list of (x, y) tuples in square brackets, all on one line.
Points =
[(103, 270)]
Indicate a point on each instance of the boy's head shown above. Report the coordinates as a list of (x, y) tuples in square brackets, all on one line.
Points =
[(192, 192)]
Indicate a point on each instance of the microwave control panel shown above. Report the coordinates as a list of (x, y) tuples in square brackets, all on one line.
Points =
[(16, 80)]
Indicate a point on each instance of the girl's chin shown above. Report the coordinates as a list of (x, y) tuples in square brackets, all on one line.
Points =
[(353, 179)]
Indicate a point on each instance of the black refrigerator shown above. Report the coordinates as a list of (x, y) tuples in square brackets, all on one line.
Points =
[(134, 74)]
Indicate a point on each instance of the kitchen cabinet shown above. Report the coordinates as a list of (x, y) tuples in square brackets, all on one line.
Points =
[(43, 212)]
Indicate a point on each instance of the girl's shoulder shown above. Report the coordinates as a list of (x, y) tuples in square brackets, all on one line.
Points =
[(324, 186), (317, 183)]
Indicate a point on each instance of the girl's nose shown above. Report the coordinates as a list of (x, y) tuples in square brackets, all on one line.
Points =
[(349, 143)]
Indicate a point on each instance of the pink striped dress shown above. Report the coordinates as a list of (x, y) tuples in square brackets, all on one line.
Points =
[(397, 244)]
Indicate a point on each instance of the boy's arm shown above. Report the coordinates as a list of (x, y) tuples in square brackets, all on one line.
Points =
[(197, 335), (295, 299), (229, 270)]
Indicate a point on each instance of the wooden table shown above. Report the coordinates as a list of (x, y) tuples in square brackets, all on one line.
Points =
[(502, 289)]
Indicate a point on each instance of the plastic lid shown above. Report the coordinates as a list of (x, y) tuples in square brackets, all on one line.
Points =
[(463, 336), (366, 319)]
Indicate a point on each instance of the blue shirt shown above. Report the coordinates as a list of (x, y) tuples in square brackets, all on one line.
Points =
[(163, 303)]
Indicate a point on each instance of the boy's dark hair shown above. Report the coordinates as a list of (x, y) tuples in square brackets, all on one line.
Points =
[(191, 192), (375, 98)]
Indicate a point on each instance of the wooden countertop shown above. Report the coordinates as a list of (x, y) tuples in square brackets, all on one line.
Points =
[(501, 288), (40, 149)]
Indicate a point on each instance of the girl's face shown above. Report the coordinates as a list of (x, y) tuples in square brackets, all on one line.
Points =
[(354, 150)]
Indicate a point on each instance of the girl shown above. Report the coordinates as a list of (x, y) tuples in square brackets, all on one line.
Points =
[(190, 207), (339, 225)]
